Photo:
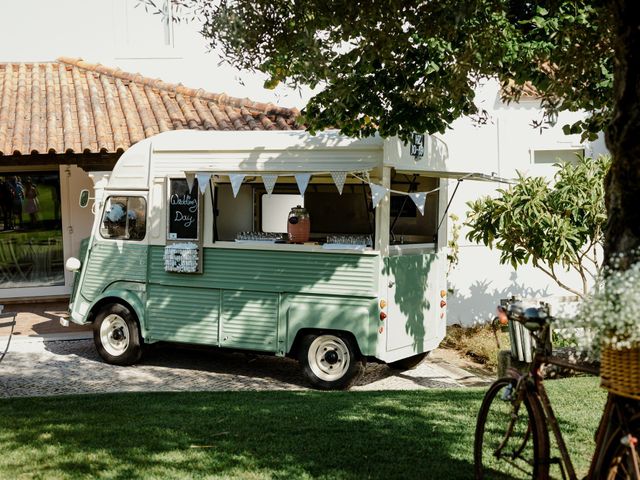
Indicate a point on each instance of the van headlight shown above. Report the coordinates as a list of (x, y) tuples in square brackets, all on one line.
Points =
[(72, 264)]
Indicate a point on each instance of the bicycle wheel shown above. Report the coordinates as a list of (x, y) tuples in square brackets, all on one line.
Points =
[(511, 440), (618, 460)]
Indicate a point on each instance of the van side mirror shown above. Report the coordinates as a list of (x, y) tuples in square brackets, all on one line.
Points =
[(84, 198)]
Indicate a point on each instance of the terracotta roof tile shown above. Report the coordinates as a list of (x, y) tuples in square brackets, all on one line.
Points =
[(71, 106)]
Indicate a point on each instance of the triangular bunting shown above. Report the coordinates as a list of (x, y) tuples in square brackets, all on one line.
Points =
[(190, 177), (269, 182), (203, 181), (419, 198), (302, 179), (236, 180), (339, 178), (378, 192)]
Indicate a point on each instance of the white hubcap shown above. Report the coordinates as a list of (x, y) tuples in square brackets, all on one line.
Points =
[(114, 335), (329, 358)]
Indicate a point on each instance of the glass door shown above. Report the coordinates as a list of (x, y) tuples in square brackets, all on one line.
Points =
[(30, 230)]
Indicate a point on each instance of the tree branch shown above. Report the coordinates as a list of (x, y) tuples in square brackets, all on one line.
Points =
[(550, 271)]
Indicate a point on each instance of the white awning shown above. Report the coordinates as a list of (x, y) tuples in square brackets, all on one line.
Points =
[(481, 177)]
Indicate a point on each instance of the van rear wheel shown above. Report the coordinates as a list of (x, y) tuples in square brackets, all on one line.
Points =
[(116, 335), (330, 361)]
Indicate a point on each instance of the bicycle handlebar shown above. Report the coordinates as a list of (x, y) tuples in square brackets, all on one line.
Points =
[(533, 318)]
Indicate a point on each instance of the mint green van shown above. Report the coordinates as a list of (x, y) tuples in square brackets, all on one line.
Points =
[(189, 245)]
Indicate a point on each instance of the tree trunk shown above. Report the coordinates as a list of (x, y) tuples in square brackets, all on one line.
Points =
[(623, 140)]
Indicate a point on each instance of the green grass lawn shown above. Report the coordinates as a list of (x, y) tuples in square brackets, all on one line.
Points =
[(265, 435)]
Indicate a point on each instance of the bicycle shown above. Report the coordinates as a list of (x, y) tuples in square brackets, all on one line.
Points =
[(512, 430)]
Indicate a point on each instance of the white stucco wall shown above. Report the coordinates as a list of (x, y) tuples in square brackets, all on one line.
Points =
[(503, 146)]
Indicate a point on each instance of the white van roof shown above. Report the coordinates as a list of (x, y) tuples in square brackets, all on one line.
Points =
[(186, 151)]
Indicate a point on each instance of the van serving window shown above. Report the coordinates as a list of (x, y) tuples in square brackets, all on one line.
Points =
[(406, 224), (124, 218)]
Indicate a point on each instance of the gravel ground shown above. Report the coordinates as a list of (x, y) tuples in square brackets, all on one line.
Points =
[(39, 368)]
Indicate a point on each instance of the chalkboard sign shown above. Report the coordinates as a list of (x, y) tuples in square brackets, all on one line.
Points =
[(183, 210)]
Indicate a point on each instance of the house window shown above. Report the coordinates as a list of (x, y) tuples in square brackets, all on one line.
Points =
[(30, 230), (140, 33), (549, 157)]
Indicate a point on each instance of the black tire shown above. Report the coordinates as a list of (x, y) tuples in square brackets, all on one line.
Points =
[(116, 335), (409, 363), (525, 453), (330, 361), (617, 461)]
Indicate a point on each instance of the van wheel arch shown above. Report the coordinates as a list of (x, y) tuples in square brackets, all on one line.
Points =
[(294, 351), (100, 304)]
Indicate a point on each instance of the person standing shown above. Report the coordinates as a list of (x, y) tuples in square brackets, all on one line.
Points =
[(31, 202), (18, 196)]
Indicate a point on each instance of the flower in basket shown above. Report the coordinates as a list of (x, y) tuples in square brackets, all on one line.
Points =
[(610, 316)]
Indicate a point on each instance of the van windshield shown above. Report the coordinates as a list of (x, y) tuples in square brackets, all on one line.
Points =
[(124, 218)]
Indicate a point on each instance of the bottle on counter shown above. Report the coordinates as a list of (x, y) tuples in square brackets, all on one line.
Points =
[(298, 225)]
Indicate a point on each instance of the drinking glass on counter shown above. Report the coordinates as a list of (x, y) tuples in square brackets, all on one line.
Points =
[(365, 240), (258, 237)]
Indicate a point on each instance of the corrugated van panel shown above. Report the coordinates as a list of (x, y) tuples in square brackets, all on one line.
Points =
[(249, 320), (356, 315), (277, 271), (114, 261), (182, 314)]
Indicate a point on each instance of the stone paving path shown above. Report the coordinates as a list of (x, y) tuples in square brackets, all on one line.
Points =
[(60, 367)]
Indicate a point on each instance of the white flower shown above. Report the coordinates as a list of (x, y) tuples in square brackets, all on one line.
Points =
[(612, 313)]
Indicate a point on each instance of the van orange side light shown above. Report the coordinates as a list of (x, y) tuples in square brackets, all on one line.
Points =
[(383, 303), (443, 293)]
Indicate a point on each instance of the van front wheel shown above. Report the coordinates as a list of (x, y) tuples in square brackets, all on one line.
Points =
[(330, 361), (116, 335)]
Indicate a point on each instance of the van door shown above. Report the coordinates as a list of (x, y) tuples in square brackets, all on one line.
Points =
[(413, 318), (249, 320), (118, 255)]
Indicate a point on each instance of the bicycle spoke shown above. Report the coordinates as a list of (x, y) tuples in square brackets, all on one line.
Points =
[(505, 444)]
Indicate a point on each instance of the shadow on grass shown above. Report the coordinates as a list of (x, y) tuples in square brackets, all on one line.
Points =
[(378, 435)]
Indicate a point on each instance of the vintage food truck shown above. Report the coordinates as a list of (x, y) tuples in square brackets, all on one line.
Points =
[(195, 241)]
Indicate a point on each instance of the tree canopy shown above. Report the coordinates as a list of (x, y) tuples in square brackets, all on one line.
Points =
[(399, 66)]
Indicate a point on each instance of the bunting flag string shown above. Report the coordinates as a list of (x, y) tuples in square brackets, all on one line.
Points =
[(203, 181), (419, 198), (269, 182), (339, 178), (378, 192), (190, 178), (302, 179), (236, 180)]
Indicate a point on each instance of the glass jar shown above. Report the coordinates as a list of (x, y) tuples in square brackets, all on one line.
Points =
[(298, 225)]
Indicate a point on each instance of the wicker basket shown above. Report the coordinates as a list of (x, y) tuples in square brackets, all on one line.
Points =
[(620, 371)]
